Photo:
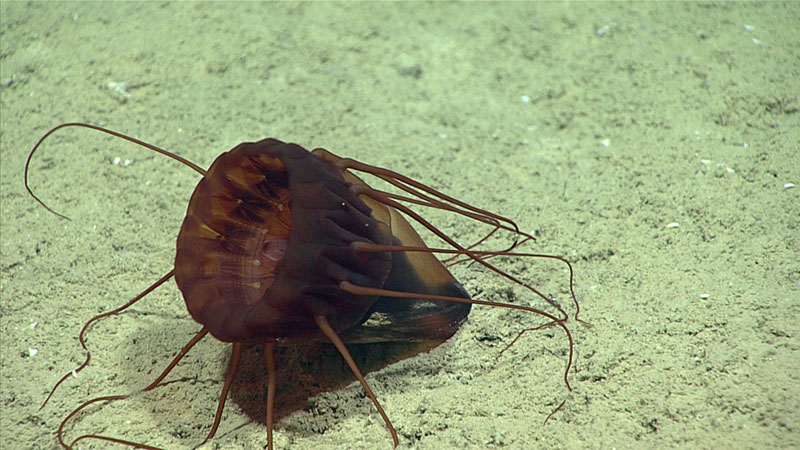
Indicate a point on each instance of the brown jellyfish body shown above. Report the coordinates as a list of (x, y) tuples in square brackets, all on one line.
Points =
[(282, 246), (267, 240)]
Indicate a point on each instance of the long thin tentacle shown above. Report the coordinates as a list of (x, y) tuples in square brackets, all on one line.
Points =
[(390, 176), (81, 339), (269, 359), (323, 324), (152, 147), (109, 398), (233, 367)]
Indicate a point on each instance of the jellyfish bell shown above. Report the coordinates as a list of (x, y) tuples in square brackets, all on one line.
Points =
[(268, 239)]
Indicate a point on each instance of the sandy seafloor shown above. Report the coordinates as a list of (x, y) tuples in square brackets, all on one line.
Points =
[(654, 145)]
